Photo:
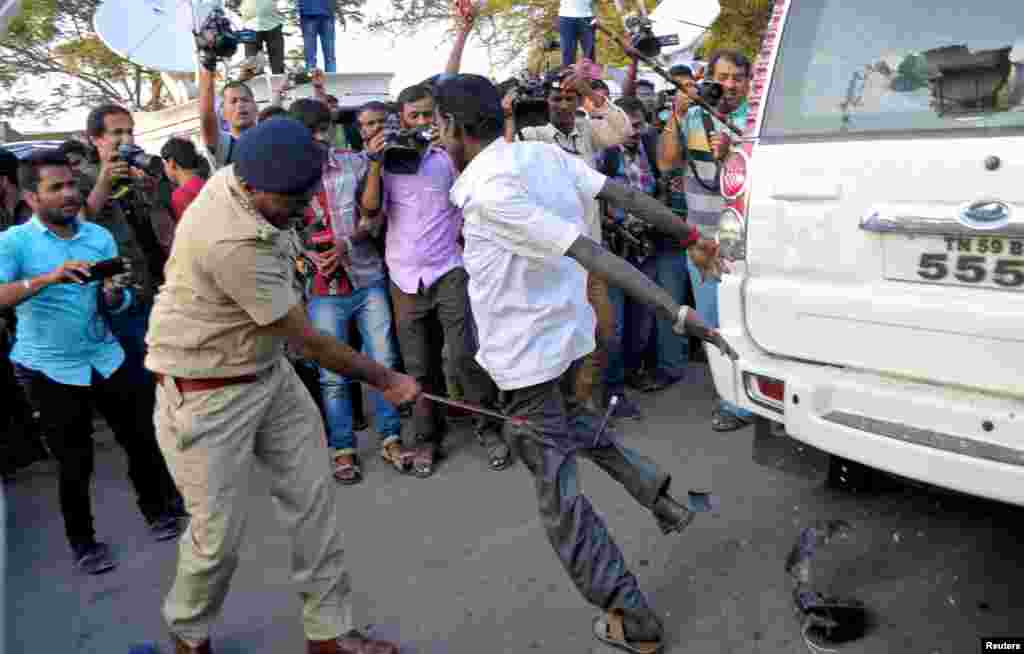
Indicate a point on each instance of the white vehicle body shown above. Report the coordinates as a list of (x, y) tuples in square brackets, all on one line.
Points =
[(879, 308)]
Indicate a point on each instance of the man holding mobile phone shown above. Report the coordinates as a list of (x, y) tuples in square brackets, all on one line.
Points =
[(67, 359)]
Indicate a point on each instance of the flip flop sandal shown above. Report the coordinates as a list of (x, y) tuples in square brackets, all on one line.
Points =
[(424, 461), (348, 474), (399, 459), (609, 629), (499, 456), (722, 422)]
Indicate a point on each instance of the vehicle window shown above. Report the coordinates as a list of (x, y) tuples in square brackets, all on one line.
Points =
[(887, 68)]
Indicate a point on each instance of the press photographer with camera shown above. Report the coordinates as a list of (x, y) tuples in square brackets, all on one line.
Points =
[(125, 199), (67, 359), (584, 135), (424, 259), (693, 145), (349, 289)]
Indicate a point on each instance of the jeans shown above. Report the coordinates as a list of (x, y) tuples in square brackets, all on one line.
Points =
[(312, 27), (668, 269), (274, 40), (560, 432), (370, 310), (615, 374), (66, 415), (705, 295), (573, 31), (130, 327)]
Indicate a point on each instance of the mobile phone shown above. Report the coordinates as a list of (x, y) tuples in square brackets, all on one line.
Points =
[(104, 270)]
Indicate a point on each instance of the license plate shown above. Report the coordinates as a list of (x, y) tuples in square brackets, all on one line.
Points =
[(982, 261)]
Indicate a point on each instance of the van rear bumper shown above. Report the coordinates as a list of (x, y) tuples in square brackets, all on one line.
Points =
[(964, 440)]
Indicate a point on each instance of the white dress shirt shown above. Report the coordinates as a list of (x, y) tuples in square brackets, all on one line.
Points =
[(523, 205)]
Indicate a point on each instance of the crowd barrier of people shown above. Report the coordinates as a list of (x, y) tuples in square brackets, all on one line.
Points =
[(387, 259)]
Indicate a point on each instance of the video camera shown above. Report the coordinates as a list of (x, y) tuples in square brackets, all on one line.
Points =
[(531, 107), (136, 157), (403, 148), (630, 238), (642, 38), (217, 39)]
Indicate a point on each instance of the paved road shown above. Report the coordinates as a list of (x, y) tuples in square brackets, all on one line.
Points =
[(459, 564)]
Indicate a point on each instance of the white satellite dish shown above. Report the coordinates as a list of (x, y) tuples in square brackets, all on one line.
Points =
[(156, 34)]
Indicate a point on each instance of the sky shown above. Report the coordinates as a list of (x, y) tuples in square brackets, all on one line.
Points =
[(412, 59)]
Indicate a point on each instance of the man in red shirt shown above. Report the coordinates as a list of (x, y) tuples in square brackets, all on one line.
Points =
[(182, 164)]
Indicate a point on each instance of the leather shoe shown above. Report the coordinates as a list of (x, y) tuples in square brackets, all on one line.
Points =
[(671, 515), (181, 647), (351, 643)]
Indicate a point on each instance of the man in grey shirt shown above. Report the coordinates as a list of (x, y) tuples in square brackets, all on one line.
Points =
[(240, 111)]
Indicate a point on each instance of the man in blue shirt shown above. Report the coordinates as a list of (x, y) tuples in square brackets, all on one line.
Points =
[(316, 17), (67, 358)]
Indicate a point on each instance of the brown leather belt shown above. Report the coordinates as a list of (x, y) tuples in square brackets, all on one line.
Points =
[(209, 384)]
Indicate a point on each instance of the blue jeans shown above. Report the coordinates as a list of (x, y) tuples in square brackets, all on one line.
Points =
[(573, 32), (705, 295), (130, 327), (668, 269), (615, 373), (312, 27), (371, 310)]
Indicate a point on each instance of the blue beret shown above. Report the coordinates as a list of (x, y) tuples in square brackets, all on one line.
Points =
[(279, 156)]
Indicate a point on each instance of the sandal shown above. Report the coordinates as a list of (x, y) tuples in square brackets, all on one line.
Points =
[(347, 470), (609, 630), (398, 458), (424, 460), (499, 456), (721, 421)]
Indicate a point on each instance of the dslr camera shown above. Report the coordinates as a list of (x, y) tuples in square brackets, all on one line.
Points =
[(217, 39), (710, 92), (642, 38), (403, 148)]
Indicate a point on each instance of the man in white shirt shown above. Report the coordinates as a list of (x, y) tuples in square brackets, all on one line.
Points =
[(528, 253), (584, 134)]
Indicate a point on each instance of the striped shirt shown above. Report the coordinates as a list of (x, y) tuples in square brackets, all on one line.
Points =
[(704, 206)]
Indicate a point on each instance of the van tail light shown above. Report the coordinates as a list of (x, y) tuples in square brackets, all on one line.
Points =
[(732, 236), (767, 392)]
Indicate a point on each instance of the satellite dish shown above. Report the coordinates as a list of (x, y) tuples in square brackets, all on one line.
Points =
[(155, 34)]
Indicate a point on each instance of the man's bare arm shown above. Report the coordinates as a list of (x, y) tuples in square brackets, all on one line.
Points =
[(209, 125), (670, 147), (618, 272), (340, 358), (648, 209)]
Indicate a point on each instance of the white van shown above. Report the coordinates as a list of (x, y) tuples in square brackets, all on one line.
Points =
[(877, 300)]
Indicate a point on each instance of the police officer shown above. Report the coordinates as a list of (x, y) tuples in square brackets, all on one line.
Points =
[(227, 397)]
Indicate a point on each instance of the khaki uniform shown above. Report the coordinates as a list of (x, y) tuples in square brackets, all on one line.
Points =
[(230, 276)]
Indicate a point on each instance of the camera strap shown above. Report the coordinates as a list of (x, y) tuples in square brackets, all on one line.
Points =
[(709, 130)]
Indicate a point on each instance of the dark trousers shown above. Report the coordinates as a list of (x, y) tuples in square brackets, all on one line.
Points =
[(561, 430), (66, 414), (447, 303), (274, 40), (573, 32), (20, 444)]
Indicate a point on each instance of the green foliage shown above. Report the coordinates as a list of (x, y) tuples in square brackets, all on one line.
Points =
[(740, 26), (911, 74)]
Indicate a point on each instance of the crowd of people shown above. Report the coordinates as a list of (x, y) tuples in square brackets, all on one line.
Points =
[(479, 274)]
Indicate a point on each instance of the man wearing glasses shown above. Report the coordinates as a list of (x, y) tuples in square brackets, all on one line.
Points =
[(584, 134)]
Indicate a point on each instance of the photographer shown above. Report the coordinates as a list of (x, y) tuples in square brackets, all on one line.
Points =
[(349, 289), (67, 360), (238, 104), (695, 142), (428, 280), (584, 136), (127, 202), (182, 163), (528, 255)]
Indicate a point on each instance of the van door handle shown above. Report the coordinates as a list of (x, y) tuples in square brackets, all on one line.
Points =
[(807, 190)]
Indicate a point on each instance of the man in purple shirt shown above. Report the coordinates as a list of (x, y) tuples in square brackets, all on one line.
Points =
[(423, 253)]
